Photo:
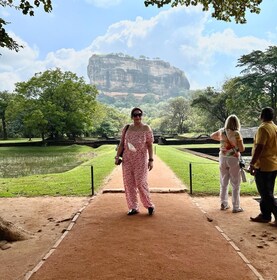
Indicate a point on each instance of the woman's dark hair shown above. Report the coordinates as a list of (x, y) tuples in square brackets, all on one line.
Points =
[(267, 114), (136, 109)]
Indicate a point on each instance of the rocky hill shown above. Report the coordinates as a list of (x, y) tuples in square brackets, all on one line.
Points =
[(119, 74)]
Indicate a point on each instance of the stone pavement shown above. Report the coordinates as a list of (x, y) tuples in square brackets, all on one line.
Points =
[(178, 242)]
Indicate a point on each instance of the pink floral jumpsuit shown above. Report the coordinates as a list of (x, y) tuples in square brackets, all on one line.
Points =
[(135, 168)]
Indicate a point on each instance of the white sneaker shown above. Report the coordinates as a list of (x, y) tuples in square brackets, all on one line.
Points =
[(224, 207), (237, 210)]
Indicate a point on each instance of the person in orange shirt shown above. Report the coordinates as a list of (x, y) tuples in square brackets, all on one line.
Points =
[(263, 166)]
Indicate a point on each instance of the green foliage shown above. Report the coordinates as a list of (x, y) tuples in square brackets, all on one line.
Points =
[(27, 9), (5, 100), (172, 115), (110, 122), (246, 102), (260, 76), (214, 105), (222, 10), (54, 103), (76, 181)]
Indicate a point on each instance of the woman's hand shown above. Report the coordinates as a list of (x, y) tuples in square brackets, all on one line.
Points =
[(150, 165), (117, 160)]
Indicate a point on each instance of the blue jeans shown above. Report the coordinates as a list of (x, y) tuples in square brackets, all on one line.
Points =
[(265, 182)]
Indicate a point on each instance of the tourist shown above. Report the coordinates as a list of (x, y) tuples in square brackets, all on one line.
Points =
[(137, 144), (231, 145), (263, 166)]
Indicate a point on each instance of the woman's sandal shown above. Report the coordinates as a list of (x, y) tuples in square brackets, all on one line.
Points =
[(132, 212), (151, 211)]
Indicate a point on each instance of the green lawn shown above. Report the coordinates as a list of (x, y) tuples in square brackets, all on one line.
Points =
[(66, 170), (75, 181), (204, 172)]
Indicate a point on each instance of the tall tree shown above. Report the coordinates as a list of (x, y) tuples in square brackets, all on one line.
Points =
[(5, 100), (214, 104), (58, 103), (246, 102), (176, 113), (260, 74), (109, 122), (222, 10), (26, 8)]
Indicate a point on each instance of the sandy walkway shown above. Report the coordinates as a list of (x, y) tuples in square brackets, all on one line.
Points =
[(177, 242)]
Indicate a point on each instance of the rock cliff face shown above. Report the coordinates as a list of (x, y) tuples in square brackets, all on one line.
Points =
[(117, 73)]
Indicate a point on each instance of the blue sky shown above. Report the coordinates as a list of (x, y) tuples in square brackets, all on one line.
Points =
[(207, 50)]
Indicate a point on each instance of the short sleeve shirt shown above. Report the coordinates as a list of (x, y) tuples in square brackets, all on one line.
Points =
[(229, 142), (266, 136)]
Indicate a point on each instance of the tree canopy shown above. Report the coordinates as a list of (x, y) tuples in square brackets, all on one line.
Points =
[(5, 99), (260, 76), (54, 103), (26, 8), (221, 10)]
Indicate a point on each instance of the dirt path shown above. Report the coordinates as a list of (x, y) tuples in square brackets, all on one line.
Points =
[(177, 242)]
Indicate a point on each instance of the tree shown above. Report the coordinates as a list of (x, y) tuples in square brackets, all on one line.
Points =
[(260, 75), (27, 9), (246, 102), (214, 104), (56, 103), (176, 113), (5, 100), (109, 122), (222, 10)]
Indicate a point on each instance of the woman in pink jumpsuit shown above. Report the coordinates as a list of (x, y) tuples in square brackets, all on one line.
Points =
[(137, 141)]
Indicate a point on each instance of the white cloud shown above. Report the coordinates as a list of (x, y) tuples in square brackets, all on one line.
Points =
[(178, 36), (126, 33)]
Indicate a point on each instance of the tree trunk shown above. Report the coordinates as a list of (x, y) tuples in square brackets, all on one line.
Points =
[(10, 232), (5, 134)]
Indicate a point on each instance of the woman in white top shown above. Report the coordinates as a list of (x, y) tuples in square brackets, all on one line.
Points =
[(231, 145)]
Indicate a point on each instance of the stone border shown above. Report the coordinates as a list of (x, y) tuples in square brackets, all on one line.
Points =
[(152, 190), (28, 275), (229, 240)]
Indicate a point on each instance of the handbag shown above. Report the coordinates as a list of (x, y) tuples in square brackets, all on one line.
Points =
[(123, 139), (241, 163), (241, 160)]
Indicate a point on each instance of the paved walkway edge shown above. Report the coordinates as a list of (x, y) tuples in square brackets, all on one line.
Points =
[(73, 222), (29, 274), (231, 243)]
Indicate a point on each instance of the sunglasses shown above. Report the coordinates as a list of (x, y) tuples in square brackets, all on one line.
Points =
[(137, 115)]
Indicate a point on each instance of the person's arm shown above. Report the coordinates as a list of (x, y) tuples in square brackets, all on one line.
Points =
[(215, 136), (120, 146), (257, 152), (149, 143), (150, 156), (241, 146), (118, 152)]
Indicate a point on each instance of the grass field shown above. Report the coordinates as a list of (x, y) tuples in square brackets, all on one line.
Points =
[(66, 170), (204, 178), (75, 181)]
